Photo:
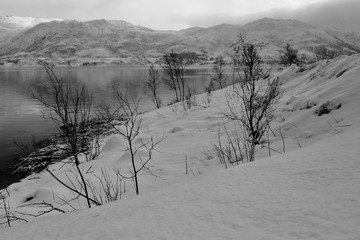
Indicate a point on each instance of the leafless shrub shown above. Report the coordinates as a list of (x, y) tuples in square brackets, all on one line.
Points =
[(232, 148), (190, 98), (108, 188), (174, 67), (153, 83), (253, 97), (69, 108), (127, 122), (218, 70), (75, 185)]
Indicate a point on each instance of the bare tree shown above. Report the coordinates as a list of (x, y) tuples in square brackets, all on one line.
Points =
[(174, 68), (257, 95), (109, 188), (126, 121), (289, 56), (69, 108), (153, 83), (218, 70)]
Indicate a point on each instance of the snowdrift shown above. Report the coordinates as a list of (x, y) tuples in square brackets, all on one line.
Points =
[(310, 192)]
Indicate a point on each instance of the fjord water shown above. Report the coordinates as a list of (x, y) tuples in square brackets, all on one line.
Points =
[(21, 116)]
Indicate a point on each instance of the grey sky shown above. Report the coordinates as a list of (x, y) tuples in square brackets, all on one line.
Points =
[(165, 14)]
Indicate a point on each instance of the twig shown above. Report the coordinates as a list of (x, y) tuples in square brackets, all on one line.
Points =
[(40, 213)]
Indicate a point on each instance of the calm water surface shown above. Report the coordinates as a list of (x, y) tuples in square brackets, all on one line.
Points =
[(21, 116)]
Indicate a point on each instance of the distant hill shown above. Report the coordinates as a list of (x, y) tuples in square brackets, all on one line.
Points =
[(276, 33), (117, 42), (10, 25)]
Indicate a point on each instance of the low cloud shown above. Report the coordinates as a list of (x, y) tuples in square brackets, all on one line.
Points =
[(342, 14)]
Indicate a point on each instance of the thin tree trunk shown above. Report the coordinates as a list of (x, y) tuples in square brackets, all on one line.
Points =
[(134, 168), (83, 180), (252, 152)]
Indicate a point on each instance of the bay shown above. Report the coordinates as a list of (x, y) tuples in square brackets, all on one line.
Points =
[(21, 116)]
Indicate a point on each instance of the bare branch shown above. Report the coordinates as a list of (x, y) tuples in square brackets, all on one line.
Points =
[(254, 95), (69, 108)]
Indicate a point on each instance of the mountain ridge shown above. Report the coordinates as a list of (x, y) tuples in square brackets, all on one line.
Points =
[(23, 22), (75, 42)]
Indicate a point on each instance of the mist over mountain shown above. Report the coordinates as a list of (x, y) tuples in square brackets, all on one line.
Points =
[(340, 15)]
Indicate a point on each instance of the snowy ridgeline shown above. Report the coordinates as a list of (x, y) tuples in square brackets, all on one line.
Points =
[(310, 192), (24, 22)]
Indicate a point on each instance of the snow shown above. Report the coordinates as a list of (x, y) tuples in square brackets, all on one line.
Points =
[(26, 22), (309, 192)]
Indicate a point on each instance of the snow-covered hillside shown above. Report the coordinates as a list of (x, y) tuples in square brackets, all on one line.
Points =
[(310, 192), (10, 26), (118, 42)]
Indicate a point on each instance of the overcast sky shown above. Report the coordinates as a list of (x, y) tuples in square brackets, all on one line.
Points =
[(165, 14)]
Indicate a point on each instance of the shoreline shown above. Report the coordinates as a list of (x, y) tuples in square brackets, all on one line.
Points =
[(19, 67), (13, 173), (8, 62), (8, 176)]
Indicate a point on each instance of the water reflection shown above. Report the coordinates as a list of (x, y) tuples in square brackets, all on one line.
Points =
[(20, 115)]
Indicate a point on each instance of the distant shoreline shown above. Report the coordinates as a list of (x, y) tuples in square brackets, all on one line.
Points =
[(11, 61), (98, 64)]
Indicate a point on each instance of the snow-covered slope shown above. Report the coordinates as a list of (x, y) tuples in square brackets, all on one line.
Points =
[(310, 192)]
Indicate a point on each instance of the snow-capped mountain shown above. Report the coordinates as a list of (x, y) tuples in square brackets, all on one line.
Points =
[(11, 25), (17, 23), (96, 40)]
